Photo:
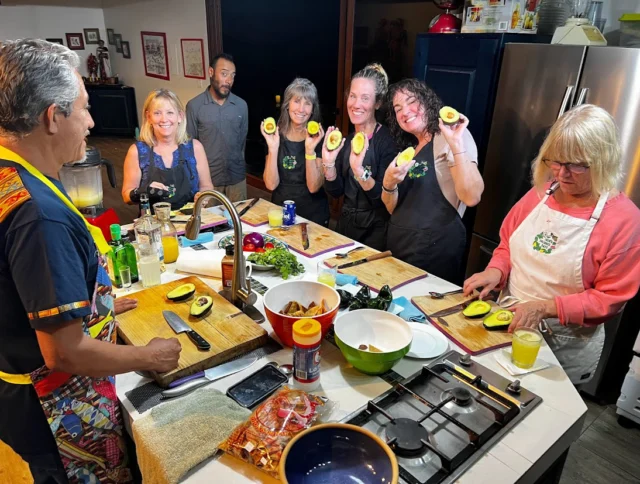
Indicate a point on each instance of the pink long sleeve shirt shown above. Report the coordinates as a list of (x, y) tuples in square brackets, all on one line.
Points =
[(611, 263)]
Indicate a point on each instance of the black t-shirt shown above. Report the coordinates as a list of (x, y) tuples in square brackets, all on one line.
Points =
[(48, 267)]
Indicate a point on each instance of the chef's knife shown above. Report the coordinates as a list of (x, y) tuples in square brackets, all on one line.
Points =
[(453, 309), (179, 326), (190, 383), (305, 236), (248, 207), (381, 255)]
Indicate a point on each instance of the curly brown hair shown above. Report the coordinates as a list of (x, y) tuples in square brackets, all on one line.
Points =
[(426, 97)]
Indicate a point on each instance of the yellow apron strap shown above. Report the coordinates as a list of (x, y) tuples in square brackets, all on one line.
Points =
[(95, 232), (15, 379)]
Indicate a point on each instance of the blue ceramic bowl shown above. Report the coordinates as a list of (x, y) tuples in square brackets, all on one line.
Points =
[(334, 453)]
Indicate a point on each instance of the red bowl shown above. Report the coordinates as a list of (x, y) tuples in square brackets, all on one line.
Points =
[(276, 298)]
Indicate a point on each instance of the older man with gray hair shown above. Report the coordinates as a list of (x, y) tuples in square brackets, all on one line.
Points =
[(57, 329)]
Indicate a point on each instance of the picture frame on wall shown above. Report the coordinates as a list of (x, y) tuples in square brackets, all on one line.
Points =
[(156, 58), (117, 39), (55, 41), (126, 50), (75, 41), (91, 36), (193, 58), (110, 37)]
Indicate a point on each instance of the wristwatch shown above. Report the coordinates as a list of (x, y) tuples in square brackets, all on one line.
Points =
[(365, 176)]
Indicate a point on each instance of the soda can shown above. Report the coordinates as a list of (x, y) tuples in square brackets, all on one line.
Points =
[(289, 213)]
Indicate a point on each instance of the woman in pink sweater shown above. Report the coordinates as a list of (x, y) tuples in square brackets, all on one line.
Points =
[(569, 250)]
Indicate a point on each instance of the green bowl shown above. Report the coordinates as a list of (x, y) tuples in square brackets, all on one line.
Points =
[(385, 331)]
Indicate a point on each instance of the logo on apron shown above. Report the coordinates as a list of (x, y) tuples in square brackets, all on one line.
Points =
[(419, 169), (545, 242), (289, 162)]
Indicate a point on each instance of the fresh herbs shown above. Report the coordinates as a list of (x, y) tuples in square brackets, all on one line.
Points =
[(281, 259)]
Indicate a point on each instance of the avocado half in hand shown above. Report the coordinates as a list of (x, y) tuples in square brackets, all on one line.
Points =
[(269, 125), (334, 139), (499, 320), (181, 293), (357, 143), (406, 156), (313, 128), (477, 309), (201, 306), (449, 115)]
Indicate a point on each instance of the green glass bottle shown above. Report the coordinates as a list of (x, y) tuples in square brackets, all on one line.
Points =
[(122, 255)]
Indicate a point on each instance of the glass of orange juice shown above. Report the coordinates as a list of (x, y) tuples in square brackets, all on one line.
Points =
[(275, 217), (171, 251), (525, 346), (327, 274)]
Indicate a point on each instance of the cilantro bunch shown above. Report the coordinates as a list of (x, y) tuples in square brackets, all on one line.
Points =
[(283, 260)]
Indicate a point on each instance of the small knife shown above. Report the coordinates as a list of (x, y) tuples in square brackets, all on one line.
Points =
[(248, 207), (381, 255), (453, 309), (305, 236), (191, 382), (179, 326)]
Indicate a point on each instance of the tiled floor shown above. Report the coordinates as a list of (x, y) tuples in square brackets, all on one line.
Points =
[(606, 453)]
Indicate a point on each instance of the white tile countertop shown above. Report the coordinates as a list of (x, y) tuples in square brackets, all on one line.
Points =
[(521, 455)]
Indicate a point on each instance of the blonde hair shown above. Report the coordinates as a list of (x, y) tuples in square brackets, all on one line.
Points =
[(300, 87), (587, 135), (146, 132), (377, 74)]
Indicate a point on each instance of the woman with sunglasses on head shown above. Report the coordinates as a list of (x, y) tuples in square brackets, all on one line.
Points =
[(569, 250)]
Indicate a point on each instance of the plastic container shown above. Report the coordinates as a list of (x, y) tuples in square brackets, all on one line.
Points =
[(630, 30), (307, 337)]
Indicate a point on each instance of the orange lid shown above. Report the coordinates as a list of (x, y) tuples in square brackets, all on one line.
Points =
[(306, 328)]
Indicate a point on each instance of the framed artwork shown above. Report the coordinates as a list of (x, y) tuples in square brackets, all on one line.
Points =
[(91, 36), (117, 38), (55, 41), (75, 41), (126, 51), (154, 51), (110, 37), (193, 58)]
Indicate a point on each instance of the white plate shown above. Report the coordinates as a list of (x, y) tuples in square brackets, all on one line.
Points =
[(428, 342)]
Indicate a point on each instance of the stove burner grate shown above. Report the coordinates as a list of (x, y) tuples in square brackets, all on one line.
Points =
[(406, 436)]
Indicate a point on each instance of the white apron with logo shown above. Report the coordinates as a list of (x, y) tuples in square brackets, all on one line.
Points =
[(547, 251)]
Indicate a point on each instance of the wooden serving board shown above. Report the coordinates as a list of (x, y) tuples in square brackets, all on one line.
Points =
[(467, 333), (321, 239), (259, 213), (207, 220), (229, 331), (378, 273)]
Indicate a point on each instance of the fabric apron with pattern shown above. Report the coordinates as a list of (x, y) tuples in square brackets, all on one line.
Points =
[(176, 176), (547, 251), (359, 221)]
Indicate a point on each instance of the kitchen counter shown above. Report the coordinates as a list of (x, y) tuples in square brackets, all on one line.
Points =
[(523, 455)]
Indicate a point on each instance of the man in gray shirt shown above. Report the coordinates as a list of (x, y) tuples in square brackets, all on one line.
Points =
[(219, 120)]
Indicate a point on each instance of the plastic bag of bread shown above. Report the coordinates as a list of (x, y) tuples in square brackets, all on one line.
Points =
[(261, 439)]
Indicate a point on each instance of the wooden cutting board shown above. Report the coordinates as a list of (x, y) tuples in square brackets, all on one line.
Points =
[(321, 239), (259, 213), (377, 273), (467, 333), (207, 220), (229, 331)]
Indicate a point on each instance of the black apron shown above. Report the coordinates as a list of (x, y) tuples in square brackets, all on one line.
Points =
[(359, 219), (292, 169), (179, 176), (424, 229)]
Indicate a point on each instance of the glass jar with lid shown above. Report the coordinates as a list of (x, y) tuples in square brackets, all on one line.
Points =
[(169, 232)]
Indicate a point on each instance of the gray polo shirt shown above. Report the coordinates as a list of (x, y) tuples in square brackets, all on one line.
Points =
[(222, 130)]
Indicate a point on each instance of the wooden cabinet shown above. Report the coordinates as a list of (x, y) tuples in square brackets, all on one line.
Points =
[(113, 109)]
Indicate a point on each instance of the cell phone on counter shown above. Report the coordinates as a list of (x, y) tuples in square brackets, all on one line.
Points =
[(257, 386)]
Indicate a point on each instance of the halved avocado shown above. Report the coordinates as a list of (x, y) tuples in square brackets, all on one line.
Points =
[(449, 115), (357, 144), (499, 320), (334, 139), (201, 305), (269, 125), (406, 156), (477, 309), (181, 293), (313, 128)]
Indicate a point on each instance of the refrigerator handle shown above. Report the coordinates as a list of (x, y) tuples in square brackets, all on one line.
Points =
[(566, 100), (582, 97)]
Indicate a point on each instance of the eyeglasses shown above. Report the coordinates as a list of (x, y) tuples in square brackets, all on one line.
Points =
[(572, 167)]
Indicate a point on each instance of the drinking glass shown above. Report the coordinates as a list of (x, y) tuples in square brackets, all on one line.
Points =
[(525, 346), (125, 276), (327, 274)]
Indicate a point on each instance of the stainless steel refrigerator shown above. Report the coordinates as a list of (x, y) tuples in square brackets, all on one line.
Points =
[(537, 83)]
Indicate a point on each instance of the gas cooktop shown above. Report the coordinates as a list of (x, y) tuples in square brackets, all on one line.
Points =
[(442, 419)]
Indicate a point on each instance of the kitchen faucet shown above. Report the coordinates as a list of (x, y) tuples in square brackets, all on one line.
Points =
[(241, 295)]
